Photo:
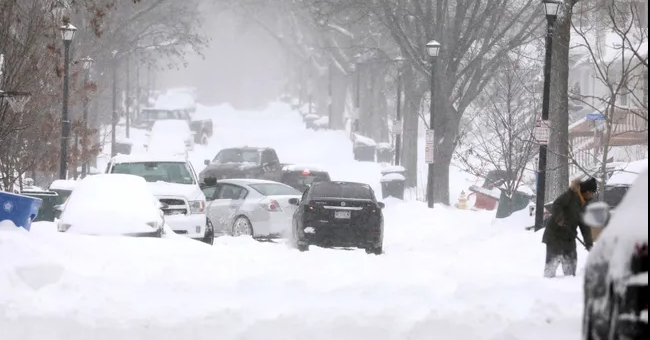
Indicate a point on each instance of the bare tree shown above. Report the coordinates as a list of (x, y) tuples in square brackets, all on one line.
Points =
[(612, 40), (499, 137)]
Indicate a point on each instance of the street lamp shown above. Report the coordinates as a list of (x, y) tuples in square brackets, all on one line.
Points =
[(433, 49), (87, 63), (67, 34), (542, 128)]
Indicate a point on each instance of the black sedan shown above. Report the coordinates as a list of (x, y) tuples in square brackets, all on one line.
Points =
[(339, 214)]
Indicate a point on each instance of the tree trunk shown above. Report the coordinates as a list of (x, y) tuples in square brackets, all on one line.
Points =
[(446, 127), (557, 177), (339, 95), (410, 115)]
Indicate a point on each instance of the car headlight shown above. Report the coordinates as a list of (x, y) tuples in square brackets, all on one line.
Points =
[(197, 207), (63, 227), (153, 225)]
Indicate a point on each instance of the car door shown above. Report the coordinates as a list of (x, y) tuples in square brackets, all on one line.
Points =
[(225, 206)]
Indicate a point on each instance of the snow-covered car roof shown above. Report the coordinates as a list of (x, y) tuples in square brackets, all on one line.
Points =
[(303, 167), (626, 229), (63, 184), (627, 173), (149, 157)]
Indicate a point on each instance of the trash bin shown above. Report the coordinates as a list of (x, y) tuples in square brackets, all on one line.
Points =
[(46, 210), (309, 119), (19, 209), (384, 153), (507, 206), (392, 185)]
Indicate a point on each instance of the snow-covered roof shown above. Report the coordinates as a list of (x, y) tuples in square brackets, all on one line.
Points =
[(590, 45), (392, 177), (149, 157), (303, 167), (392, 169), (63, 184)]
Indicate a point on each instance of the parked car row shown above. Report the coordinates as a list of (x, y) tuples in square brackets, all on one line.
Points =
[(144, 195)]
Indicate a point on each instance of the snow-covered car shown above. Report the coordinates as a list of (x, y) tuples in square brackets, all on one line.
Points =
[(254, 207), (174, 182), (171, 136), (112, 204), (616, 275)]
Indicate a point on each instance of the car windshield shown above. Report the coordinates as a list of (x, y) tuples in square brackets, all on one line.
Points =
[(297, 179), (614, 195), (271, 189), (153, 114), (237, 156), (170, 172), (341, 190)]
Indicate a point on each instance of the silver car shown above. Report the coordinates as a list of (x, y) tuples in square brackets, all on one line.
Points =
[(255, 207)]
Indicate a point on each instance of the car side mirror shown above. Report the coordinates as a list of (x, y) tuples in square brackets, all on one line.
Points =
[(294, 201), (206, 162), (597, 215), (381, 205)]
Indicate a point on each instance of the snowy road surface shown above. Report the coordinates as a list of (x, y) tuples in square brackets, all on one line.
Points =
[(445, 274)]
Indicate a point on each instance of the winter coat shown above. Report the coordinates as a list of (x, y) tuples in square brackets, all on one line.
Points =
[(567, 209)]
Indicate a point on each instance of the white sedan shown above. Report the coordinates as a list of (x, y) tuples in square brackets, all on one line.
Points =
[(112, 204), (254, 207)]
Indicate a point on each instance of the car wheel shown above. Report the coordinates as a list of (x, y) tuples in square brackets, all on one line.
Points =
[(208, 238), (242, 227)]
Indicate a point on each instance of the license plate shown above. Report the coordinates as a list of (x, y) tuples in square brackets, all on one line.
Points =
[(342, 214)]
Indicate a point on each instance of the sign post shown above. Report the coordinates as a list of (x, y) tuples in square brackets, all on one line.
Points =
[(429, 147), (542, 131)]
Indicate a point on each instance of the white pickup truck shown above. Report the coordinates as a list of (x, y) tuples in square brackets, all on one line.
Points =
[(174, 182)]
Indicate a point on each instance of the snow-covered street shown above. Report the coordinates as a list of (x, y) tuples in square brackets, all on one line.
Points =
[(446, 273)]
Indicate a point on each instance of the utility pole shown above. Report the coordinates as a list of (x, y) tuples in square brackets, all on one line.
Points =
[(127, 97), (329, 97)]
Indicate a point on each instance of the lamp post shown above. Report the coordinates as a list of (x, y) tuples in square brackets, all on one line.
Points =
[(87, 63), (433, 49), (397, 127), (551, 8), (67, 34)]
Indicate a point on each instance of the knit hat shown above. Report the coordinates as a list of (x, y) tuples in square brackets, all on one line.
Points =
[(590, 185)]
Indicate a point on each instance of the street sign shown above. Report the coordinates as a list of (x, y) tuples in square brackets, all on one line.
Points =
[(429, 147), (397, 127), (595, 116), (542, 131)]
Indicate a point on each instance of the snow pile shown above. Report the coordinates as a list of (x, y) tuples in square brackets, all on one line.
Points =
[(24, 265)]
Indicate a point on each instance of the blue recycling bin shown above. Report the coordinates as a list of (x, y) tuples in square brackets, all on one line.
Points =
[(20, 209)]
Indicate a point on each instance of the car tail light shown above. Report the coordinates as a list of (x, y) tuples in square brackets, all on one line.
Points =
[(271, 205)]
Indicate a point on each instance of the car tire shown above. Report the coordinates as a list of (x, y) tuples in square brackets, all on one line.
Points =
[(240, 225), (375, 250), (208, 238)]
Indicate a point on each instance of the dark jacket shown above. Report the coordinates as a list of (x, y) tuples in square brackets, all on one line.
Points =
[(567, 209)]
